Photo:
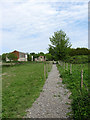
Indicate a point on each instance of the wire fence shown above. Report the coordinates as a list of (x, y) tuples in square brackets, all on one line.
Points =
[(47, 68), (70, 68)]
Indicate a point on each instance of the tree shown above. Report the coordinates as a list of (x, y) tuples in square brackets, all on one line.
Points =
[(60, 45), (41, 54), (4, 56), (29, 57), (48, 56), (79, 51), (34, 55), (12, 57)]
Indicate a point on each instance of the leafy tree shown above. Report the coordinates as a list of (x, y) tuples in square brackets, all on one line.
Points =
[(88, 51), (52, 52), (60, 45), (34, 55), (28, 57), (12, 57), (4, 56), (41, 54), (48, 56), (79, 51)]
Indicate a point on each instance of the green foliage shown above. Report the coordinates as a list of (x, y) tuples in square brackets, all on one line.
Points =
[(49, 57), (80, 97), (4, 57), (36, 55), (52, 52), (79, 51), (78, 59), (60, 45), (29, 57), (41, 54), (12, 57)]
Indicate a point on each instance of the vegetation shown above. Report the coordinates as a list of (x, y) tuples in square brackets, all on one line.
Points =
[(24, 82), (79, 51), (21, 86), (78, 59), (80, 96), (60, 45), (70, 54), (12, 57), (48, 57), (4, 57)]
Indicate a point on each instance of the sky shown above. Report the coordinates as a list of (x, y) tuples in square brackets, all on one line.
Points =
[(27, 25)]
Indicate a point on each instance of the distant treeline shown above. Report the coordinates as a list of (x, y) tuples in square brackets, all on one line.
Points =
[(74, 54), (79, 51)]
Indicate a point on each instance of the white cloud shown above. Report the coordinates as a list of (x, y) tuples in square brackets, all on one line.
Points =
[(28, 25)]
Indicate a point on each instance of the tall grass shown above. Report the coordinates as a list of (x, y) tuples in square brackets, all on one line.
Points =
[(80, 97)]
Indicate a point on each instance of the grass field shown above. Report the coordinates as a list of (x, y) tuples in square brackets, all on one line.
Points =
[(80, 97), (21, 85)]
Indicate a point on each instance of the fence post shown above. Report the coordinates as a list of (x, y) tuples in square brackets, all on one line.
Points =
[(70, 68), (44, 73), (82, 78)]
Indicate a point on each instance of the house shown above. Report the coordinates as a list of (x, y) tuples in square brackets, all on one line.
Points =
[(40, 58), (20, 56)]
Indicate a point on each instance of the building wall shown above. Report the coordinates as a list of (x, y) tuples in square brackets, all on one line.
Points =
[(22, 57)]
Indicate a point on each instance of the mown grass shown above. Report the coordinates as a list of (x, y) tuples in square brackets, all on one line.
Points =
[(80, 97), (21, 85)]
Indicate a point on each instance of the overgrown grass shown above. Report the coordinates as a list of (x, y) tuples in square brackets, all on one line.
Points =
[(21, 85), (80, 97)]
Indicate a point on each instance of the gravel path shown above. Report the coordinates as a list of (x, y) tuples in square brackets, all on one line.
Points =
[(52, 100)]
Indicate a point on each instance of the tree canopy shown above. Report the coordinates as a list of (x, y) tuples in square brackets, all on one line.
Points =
[(60, 45), (79, 51)]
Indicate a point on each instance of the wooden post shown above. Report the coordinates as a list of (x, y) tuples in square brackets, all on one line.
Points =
[(70, 68), (44, 73), (82, 78)]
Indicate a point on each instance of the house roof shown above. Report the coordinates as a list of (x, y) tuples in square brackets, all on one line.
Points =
[(19, 52)]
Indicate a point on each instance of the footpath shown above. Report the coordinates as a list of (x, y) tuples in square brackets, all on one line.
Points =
[(53, 101)]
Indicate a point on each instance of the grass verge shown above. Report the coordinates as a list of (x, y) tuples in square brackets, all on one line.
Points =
[(80, 97)]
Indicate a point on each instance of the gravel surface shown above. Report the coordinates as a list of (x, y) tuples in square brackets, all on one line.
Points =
[(53, 100)]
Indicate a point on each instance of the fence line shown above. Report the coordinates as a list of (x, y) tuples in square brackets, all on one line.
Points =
[(47, 66), (68, 67)]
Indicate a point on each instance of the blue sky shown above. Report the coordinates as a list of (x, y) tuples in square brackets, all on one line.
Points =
[(26, 25)]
